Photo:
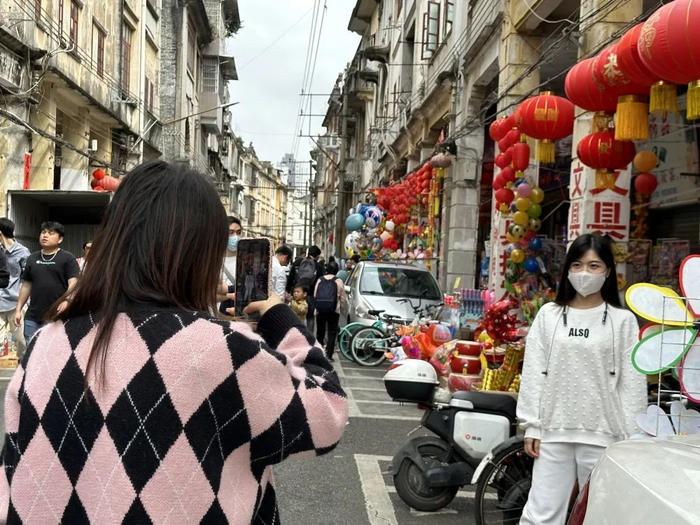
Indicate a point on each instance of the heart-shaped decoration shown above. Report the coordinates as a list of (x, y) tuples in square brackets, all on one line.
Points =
[(655, 422), (685, 420)]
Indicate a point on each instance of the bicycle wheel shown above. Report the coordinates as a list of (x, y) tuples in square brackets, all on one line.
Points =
[(368, 346), (503, 487), (345, 339)]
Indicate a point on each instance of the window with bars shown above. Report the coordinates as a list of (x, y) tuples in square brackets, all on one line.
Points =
[(431, 30), (149, 94), (74, 22), (210, 74), (191, 49), (448, 18), (98, 49), (127, 35)]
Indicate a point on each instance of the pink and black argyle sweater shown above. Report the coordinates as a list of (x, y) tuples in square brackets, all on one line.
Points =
[(190, 417)]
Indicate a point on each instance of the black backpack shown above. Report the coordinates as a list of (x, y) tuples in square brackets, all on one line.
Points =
[(326, 299), (306, 273)]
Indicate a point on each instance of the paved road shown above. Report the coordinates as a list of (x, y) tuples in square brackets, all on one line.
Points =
[(352, 485)]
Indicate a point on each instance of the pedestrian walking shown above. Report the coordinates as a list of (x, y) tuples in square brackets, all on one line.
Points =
[(16, 256), (579, 392), (47, 276), (306, 271), (227, 286), (329, 301), (280, 263), (135, 405), (86, 249)]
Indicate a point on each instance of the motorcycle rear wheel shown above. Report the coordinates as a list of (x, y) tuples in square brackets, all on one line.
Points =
[(503, 487), (411, 485)]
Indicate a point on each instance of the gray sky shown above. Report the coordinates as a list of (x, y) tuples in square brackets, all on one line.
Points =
[(270, 79)]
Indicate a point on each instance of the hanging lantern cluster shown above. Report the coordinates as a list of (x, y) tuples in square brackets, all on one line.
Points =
[(414, 190), (103, 182), (547, 118), (513, 194)]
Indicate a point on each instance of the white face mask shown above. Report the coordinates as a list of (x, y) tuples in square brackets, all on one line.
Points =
[(586, 283)]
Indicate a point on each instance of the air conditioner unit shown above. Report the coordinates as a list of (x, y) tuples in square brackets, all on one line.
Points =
[(93, 146)]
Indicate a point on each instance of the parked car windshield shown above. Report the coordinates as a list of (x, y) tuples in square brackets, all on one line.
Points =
[(399, 282)]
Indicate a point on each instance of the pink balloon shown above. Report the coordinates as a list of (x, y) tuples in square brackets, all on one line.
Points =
[(524, 190)]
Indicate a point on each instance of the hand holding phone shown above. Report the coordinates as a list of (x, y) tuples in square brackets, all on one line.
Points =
[(253, 273)]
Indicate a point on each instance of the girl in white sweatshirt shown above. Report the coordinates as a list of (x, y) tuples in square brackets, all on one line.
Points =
[(579, 392)]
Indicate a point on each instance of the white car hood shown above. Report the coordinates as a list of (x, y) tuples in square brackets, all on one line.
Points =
[(654, 481)]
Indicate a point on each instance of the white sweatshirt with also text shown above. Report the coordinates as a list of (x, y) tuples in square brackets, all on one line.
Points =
[(590, 392)]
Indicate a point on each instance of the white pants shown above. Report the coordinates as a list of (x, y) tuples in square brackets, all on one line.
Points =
[(553, 478)]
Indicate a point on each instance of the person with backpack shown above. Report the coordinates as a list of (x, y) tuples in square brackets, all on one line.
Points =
[(329, 299), (306, 272)]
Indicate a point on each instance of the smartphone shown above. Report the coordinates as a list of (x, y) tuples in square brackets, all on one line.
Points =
[(253, 272)]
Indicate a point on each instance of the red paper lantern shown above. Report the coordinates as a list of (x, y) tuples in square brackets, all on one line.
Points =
[(513, 136), (99, 174), (505, 195), (521, 156), (669, 46), (504, 144), (496, 132), (503, 159), (507, 174), (632, 122), (583, 90), (645, 184), (547, 118), (498, 182), (601, 151)]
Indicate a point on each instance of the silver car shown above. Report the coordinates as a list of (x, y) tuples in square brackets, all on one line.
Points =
[(394, 288)]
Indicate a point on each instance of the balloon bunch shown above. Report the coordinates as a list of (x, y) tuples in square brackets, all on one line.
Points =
[(412, 191), (364, 238)]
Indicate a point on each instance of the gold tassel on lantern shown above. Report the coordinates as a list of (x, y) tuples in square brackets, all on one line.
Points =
[(693, 100), (663, 99), (632, 122), (545, 151)]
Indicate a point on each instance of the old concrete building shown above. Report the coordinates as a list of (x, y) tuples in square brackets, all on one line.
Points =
[(86, 92), (195, 70)]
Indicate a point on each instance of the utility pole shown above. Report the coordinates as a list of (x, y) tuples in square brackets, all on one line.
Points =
[(311, 204), (306, 211)]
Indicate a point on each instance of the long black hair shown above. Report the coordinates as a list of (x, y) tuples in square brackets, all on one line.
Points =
[(161, 242), (601, 246)]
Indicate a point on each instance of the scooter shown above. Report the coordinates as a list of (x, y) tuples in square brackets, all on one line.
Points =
[(474, 442)]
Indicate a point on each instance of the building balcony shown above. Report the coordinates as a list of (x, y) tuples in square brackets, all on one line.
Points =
[(212, 121)]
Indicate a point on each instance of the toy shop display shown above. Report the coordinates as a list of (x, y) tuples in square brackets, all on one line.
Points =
[(400, 222)]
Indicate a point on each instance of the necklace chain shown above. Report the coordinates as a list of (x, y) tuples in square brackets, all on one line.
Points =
[(48, 260)]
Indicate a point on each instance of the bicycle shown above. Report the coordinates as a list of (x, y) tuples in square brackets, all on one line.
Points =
[(370, 344)]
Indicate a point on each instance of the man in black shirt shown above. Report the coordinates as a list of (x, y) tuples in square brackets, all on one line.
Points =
[(48, 274)]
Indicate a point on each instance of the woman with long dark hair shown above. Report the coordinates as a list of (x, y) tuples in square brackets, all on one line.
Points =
[(136, 405), (579, 392)]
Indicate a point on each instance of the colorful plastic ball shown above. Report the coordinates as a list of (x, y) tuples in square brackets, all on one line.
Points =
[(517, 256), (517, 231), (523, 204), (534, 211), (524, 190), (354, 222), (531, 265), (521, 218), (535, 225), (535, 244), (536, 195)]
